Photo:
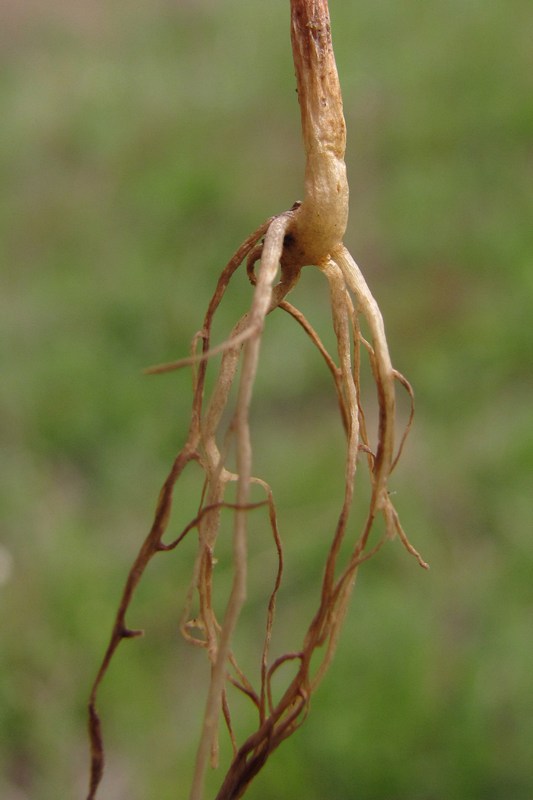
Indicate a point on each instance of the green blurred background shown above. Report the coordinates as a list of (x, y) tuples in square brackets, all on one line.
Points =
[(139, 144)]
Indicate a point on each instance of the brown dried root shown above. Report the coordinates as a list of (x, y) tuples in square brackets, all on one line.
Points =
[(310, 233)]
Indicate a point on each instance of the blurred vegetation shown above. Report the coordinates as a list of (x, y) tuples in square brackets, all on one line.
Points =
[(139, 144)]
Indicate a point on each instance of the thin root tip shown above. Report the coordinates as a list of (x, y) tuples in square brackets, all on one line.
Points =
[(161, 369)]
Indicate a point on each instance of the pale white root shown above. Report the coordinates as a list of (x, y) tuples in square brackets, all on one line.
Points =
[(270, 260), (385, 374)]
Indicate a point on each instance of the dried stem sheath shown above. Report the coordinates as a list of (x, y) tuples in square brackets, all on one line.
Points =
[(320, 222)]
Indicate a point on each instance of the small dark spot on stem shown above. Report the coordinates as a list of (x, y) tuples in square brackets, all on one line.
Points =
[(288, 240)]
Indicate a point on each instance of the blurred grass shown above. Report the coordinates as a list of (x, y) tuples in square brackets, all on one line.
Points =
[(139, 145)]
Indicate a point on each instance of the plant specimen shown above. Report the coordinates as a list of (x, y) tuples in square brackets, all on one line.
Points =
[(309, 234)]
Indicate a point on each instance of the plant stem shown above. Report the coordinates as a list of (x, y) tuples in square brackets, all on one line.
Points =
[(320, 222)]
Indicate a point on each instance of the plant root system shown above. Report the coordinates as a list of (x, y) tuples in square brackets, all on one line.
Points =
[(310, 233)]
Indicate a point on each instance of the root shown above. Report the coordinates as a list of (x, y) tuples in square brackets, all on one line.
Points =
[(309, 233)]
